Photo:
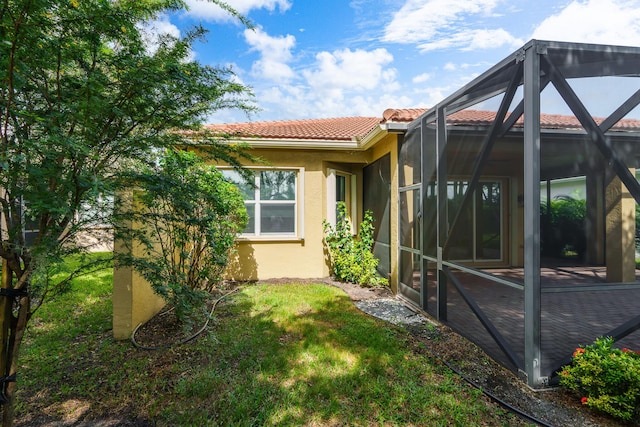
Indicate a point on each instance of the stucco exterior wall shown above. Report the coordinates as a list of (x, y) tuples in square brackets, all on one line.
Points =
[(134, 302), (620, 231), (302, 256), (260, 258)]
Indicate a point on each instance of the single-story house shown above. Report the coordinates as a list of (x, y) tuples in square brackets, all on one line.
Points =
[(311, 165), (455, 193)]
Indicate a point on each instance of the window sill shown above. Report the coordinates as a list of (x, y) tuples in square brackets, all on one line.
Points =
[(270, 239)]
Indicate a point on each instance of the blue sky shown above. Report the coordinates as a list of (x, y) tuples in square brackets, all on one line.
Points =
[(337, 58)]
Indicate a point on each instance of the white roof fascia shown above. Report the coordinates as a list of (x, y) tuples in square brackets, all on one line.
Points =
[(380, 132), (310, 144)]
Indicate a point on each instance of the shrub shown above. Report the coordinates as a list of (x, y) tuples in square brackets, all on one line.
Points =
[(351, 256), (563, 232), (607, 379), (190, 216)]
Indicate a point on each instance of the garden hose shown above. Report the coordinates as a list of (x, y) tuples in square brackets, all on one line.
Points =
[(491, 396), (185, 340)]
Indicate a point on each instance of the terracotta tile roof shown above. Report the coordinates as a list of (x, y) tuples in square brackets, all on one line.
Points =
[(547, 121), (471, 117), (338, 129), (355, 128), (402, 114), (484, 118)]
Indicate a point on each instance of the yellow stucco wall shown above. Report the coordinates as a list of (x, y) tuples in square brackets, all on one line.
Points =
[(305, 257), (620, 231), (302, 256), (134, 302)]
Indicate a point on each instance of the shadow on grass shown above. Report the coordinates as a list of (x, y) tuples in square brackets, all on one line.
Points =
[(303, 354), (294, 354)]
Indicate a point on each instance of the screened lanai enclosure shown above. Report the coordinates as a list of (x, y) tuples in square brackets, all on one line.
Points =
[(518, 197)]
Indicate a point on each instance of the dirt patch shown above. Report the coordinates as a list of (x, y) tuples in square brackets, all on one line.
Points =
[(360, 293), (165, 331)]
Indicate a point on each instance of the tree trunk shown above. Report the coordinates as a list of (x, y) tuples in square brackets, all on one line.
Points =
[(15, 341), (12, 331), (5, 329)]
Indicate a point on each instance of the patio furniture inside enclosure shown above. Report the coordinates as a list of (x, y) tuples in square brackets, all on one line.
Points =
[(518, 197)]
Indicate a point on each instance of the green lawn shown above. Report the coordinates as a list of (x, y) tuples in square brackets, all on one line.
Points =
[(276, 355)]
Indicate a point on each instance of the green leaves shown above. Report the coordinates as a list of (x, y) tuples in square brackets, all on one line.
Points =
[(84, 97), (351, 257), (188, 217), (563, 226), (607, 378)]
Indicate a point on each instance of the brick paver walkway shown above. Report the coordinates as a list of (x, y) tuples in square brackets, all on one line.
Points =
[(569, 319)]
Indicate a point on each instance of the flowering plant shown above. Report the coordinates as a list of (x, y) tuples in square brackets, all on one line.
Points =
[(607, 378)]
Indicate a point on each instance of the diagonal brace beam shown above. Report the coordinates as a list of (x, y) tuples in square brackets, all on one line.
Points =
[(519, 111), (625, 329), (593, 130), (485, 151), (621, 111), (491, 329), (617, 334)]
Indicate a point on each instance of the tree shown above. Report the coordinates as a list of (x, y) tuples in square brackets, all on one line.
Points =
[(192, 216), (82, 96)]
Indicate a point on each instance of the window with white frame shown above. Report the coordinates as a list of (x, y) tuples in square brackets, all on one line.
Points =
[(341, 187), (271, 201)]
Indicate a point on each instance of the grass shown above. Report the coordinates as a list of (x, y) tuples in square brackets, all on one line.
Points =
[(276, 355)]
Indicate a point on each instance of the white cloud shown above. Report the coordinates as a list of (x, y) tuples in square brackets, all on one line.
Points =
[(446, 24), (208, 11), (354, 70), (287, 101), (339, 83), (153, 31), (421, 78), (594, 21), (295, 102), (237, 72), (473, 39), (353, 82), (421, 20), (162, 25), (488, 39), (481, 64), (275, 54), (430, 96)]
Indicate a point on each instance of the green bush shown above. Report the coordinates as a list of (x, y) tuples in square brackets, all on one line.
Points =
[(607, 379), (563, 231), (190, 216), (351, 256)]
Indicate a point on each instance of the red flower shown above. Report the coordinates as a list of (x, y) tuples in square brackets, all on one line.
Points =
[(625, 350), (578, 351), (584, 400)]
